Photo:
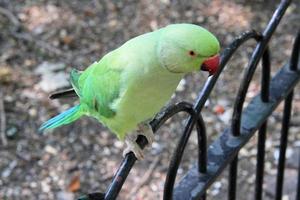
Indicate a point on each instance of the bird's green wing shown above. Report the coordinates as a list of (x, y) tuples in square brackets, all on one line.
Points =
[(109, 91), (101, 88)]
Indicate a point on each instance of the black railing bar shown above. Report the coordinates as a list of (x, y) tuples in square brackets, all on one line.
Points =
[(295, 53), (257, 54), (232, 178), (294, 61), (178, 153), (120, 177), (129, 160), (176, 158), (283, 144), (298, 184), (202, 145), (265, 77), (260, 163), (223, 150), (265, 90), (168, 112)]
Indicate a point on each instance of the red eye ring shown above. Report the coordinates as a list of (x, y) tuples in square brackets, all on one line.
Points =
[(192, 53)]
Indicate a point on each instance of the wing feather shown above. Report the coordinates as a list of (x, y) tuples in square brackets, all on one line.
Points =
[(101, 88)]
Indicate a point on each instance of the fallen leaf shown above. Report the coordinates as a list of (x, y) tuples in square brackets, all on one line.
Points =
[(67, 39), (74, 184), (219, 110)]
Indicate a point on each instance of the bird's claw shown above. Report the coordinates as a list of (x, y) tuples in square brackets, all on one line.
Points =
[(146, 130), (135, 148), (132, 146)]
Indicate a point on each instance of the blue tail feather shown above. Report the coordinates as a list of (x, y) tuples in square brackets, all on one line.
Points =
[(66, 117)]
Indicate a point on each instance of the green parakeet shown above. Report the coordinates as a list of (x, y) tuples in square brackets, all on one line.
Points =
[(129, 85)]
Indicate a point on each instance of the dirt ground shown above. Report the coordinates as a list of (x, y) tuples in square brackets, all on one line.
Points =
[(41, 41)]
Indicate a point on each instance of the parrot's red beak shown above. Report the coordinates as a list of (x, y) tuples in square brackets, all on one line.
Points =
[(211, 64)]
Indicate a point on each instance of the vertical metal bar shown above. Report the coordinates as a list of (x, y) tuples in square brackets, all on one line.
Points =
[(203, 197), (285, 124), (295, 53), (265, 78), (298, 187), (202, 154), (202, 157), (283, 145), (175, 161), (265, 83), (260, 161), (232, 179), (178, 153), (294, 67)]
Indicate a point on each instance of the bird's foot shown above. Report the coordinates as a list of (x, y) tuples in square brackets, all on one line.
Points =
[(146, 130), (132, 146)]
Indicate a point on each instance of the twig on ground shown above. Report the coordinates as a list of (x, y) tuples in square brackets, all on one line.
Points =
[(146, 177), (2, 121), (14, 20)]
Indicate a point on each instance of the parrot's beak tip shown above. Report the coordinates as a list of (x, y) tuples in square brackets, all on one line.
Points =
[(211, 64)]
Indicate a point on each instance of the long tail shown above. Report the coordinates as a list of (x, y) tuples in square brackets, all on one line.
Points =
[(66, 117)]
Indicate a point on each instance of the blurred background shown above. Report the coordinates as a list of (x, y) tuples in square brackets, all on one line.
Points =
[(42, 40)]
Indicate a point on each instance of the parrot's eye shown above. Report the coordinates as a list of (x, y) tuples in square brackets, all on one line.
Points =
[(192, 53)]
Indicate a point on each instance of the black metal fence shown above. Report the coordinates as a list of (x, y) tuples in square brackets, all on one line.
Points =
[(245, 122)]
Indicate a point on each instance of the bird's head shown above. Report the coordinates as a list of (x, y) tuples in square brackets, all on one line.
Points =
[(185, 48)]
